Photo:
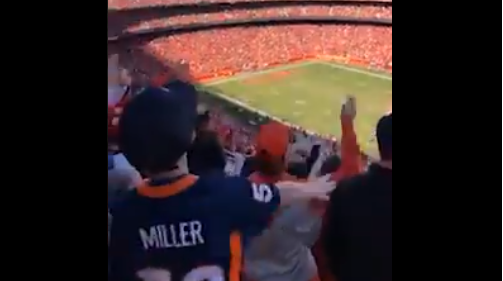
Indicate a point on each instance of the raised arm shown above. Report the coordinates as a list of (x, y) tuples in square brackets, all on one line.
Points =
[(350, 150), (350, 166)]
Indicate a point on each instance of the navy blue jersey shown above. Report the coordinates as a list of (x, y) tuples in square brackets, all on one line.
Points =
[(111, 163), (189, 230)]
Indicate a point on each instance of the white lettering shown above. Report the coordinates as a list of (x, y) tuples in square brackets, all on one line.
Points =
[(172, 232), (150, 239), (184, 234), (195, 231), (205, 273), (262, 192), (161, 236), (164, 231)]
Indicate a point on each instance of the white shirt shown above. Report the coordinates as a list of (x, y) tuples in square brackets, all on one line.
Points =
[(234, 163), (115, 94), (122, 177)]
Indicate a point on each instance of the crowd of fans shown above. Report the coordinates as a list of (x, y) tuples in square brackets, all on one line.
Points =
[(122, 4), (281, 12), (240, 49), (229, 146), (229, 49), (223, 52)]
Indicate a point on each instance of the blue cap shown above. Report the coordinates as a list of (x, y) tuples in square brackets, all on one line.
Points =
[(157, 125)]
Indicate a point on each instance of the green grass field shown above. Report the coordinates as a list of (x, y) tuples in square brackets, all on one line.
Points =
[(309, 94)]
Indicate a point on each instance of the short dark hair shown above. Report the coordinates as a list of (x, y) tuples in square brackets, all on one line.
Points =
[(298, 170), (384, 134), (203, 120), (331, 164), (206, 154)]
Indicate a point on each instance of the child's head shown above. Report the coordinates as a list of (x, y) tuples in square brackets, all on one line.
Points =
[(157, 127)]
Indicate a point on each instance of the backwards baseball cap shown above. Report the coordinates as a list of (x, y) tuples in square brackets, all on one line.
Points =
[(157, 126), (384, 134), (273, 138)]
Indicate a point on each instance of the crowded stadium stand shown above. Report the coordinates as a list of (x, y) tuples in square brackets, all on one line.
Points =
[(121, 4), (306, 65)]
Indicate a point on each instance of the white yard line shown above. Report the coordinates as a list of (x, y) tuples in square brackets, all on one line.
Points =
[(280, 68), (356, 70), (296, 65)]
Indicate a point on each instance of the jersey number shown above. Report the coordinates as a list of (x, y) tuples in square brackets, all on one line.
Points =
[(262, 192), (204, 273)]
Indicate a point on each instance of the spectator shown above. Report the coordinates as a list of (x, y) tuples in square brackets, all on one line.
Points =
[(235, 162), (331, 164), (248, 166), (295, 231), (350, 166), (363, 205), (282, 252), (313, 155), (299, 170), (122, 177), (272, 145), (206, 155)]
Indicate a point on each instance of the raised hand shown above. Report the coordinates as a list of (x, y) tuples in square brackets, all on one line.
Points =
[(349, 107)]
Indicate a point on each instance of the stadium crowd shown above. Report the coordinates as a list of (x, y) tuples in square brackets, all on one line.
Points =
[(224, 52), (228, 50), (257, 13), (125, 4), (231, 52), (274, 154)]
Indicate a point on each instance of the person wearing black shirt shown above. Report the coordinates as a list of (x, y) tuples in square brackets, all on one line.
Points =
[(358, 231), (206, 156)]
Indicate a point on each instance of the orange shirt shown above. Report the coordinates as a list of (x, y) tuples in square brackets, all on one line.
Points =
[(351, 165)]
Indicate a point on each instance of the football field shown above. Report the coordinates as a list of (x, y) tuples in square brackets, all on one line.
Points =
[(309, 94)]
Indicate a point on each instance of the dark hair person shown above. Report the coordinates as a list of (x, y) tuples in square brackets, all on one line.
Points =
[(206, 156), (363, 204)]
